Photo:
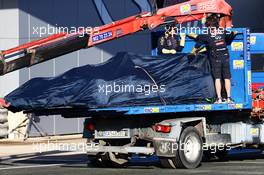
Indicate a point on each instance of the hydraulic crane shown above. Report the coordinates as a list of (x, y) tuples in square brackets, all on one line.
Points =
[(42, 50)]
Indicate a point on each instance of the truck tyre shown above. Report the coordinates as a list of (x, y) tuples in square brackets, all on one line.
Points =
[(167, 163), (4, 125), (3, 132), (190, 154), (208, 156), (222, 155), (3, 118), (95, 161)]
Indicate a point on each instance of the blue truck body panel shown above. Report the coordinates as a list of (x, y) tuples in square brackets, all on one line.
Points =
[(240, 65)]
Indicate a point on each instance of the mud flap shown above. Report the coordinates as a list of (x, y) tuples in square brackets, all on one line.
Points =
[(164, 148)]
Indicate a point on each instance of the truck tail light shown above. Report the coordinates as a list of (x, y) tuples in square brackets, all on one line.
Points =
[(162, 128), (90, 127)]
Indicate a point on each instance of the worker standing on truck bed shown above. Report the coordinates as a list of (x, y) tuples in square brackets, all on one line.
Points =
[(170, 43), (216, 41)]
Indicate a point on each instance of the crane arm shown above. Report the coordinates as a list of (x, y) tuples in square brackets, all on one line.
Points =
[(60, 44)]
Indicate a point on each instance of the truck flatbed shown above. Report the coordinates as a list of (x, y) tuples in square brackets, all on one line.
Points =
[(174, 108), (241, 82), (240, 64)]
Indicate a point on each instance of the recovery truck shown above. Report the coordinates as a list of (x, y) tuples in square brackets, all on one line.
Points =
[(257, 56), (178, 134)]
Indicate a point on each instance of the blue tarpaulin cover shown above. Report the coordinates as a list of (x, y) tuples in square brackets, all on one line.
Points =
[(126, 79)]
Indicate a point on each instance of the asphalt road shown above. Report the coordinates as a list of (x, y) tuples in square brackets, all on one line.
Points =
[(50, 164)]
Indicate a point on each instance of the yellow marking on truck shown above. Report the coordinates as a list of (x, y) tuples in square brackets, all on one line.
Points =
[(249, 76), (254, 131), (185, 8), (208, 107), (237, 46), (249, 83), (204, 107), (152, 110), (239, 106), (253, 40), (156, 110), (238, 64)]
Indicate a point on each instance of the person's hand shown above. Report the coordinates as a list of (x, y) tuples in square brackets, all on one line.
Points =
[(173, 51), (183, 36), (166, 51), (202, 50), (194, 51), (192, 55), (192, 35), (235, 32), (4, 104)]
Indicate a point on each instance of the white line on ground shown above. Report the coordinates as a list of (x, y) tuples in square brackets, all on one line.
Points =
[(241, 162), (57, 160), (33, 155), (33, 166)]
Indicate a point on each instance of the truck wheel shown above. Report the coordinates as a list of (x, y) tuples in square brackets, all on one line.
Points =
[(167, 163), (190, 154), (3, 118), (95, 161), (120, 160), (222, 155), (208, 156), (4, 126), (3, 132)]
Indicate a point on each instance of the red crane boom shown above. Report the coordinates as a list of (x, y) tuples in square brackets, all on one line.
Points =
[(56, 45)]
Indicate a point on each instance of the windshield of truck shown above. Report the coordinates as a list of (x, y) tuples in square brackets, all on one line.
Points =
[(257, 62)]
